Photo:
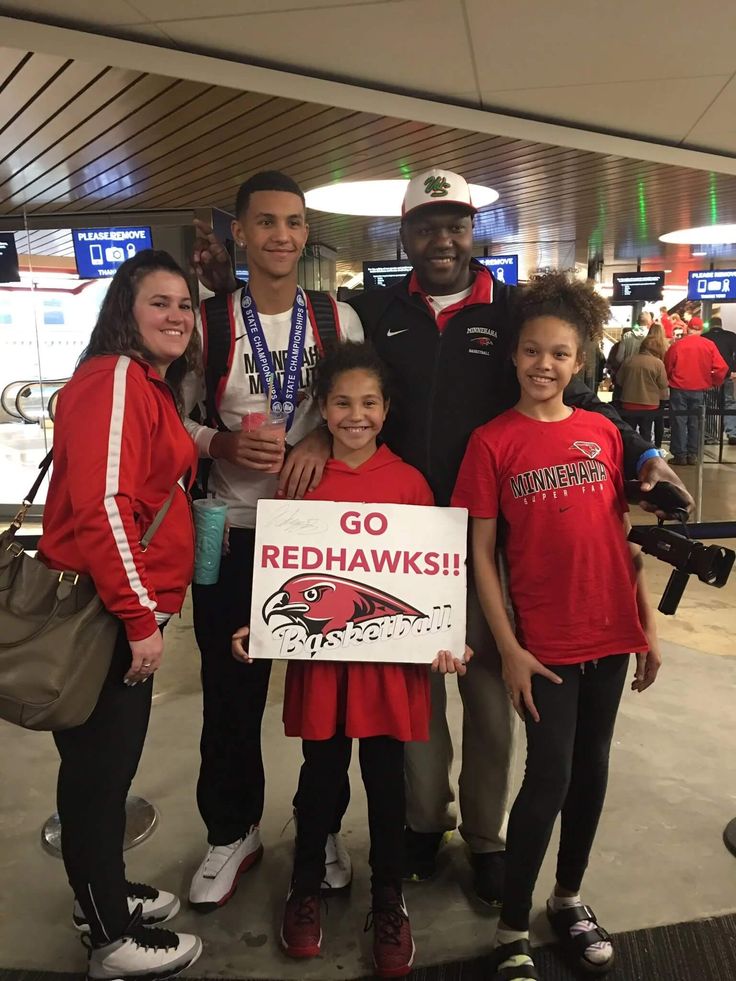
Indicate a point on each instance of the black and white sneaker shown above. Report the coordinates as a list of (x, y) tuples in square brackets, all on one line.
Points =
[(142, 952), (157, 906)]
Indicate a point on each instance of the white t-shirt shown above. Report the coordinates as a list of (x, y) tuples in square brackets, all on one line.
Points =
[(239, 487), (440, 303)]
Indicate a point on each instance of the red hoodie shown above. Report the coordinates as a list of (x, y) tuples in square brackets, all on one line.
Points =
[(119, 448), (368, 699), (694, 364)]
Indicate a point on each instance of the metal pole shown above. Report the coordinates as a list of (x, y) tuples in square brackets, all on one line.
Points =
[(700, 464)]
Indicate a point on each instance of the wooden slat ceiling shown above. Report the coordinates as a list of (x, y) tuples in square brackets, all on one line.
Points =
[(77, 138)]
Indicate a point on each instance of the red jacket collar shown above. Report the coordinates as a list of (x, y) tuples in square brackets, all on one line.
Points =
[(481, 290)]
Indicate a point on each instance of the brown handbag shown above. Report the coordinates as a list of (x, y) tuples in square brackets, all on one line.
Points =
[(56, 637)]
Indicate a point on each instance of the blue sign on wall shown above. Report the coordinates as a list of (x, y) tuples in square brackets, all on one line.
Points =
[(712, 284), (100, 251), (504, 268)]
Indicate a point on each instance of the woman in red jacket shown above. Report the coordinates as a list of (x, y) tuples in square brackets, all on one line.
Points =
[(120, 451)]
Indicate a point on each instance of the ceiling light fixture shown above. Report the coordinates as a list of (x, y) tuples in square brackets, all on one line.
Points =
[(697, 252), (377, 199), (705, 235)]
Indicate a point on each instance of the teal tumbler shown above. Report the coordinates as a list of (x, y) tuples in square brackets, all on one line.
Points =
[(209, 527)]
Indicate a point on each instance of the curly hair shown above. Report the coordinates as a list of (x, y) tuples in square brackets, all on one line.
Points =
[(555, 294), (116, 330), (349, 356)]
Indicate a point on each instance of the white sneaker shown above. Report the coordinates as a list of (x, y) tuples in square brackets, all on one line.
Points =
[(157, 906), (143, 952), (338, 867), (216, 878)]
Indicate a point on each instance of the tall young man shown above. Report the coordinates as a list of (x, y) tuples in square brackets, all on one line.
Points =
[(271, 316)]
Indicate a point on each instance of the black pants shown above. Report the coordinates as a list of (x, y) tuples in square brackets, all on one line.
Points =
[(322, 783), (98, 762), (231, 779), (645, 421), (566, 770)]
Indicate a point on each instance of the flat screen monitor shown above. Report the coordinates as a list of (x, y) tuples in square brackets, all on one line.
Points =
[(99, 252), (637, 286), (503, 268), (384, 273), (712, 284), (9, 272)]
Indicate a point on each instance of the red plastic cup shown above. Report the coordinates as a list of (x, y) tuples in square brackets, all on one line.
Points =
[(272, 421)]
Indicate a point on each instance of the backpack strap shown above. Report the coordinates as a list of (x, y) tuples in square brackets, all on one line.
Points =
[(325, 320), (218, 348)]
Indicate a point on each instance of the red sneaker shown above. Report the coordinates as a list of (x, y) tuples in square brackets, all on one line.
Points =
[(301, 933), (393, 946)]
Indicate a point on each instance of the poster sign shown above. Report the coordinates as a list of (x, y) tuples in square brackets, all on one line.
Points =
[(358, 582), (100, 251), (712, 284)]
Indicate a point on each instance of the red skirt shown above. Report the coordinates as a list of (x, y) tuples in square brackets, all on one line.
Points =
[(368, 699)]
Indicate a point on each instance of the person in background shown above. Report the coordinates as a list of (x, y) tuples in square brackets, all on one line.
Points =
[(330, 703), (643, 382), (692, 318), (120, 452), (565, 683), (725, 341), (693, 365), (631, 340), (666, 321), (271, 225)]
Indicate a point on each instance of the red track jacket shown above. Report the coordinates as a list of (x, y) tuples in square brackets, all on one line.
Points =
[(119, 448)]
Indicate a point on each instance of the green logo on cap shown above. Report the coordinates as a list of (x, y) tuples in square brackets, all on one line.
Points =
[(436, 187)]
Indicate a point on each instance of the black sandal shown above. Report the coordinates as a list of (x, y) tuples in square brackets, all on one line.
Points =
[(575, 946), (504, 952)]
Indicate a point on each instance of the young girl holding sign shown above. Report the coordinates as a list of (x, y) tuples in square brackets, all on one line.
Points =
[(554, 475), (329, 704)]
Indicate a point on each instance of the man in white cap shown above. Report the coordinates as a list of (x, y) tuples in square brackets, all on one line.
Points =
[(444, 331)]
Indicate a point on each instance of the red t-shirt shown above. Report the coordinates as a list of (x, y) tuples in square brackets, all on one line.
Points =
[(559, 488), (368, 699), (667, 325)]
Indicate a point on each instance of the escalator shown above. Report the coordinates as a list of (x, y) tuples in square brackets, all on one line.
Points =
[(32, 400)]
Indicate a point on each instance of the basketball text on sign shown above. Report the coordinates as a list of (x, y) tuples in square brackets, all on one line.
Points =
[(358, 582), (100, 251)]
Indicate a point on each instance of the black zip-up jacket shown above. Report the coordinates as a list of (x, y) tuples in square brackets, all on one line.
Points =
[(448, 383), (725, 341)]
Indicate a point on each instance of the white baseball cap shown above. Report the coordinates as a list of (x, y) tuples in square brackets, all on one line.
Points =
[(436, 187)]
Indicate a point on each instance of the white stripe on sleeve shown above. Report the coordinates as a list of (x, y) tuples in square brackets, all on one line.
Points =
[(112, 484)]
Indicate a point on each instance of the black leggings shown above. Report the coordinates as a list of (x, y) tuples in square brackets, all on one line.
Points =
[(566, 770), (98, 762), (320, 796)]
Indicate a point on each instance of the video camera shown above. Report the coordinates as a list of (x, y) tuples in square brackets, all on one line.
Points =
[(712, 564)]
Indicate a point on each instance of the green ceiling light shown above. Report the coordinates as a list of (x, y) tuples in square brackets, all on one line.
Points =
[(641, 195), (713, 197)]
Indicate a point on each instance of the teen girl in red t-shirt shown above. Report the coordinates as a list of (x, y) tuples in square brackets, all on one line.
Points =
[(552, 476), (330, 703)]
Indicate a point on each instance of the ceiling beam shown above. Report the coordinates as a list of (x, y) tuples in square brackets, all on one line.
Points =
[(32, 36)]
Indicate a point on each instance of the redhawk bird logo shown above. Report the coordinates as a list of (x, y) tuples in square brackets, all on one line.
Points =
[(591, 450), (321, 604)]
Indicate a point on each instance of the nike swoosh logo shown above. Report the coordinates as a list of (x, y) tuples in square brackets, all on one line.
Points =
[(562, 510), (240, 337), (393, 333)]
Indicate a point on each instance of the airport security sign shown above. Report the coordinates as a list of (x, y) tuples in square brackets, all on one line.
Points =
[(358, 582), (712, 284), (503, 268), (100, 251)]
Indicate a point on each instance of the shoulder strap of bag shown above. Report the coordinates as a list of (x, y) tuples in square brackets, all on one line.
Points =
[(218, 345), (325, 320), (156, 523), (43, 469)]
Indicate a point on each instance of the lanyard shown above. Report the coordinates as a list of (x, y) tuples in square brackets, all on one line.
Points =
[(284, 395)]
